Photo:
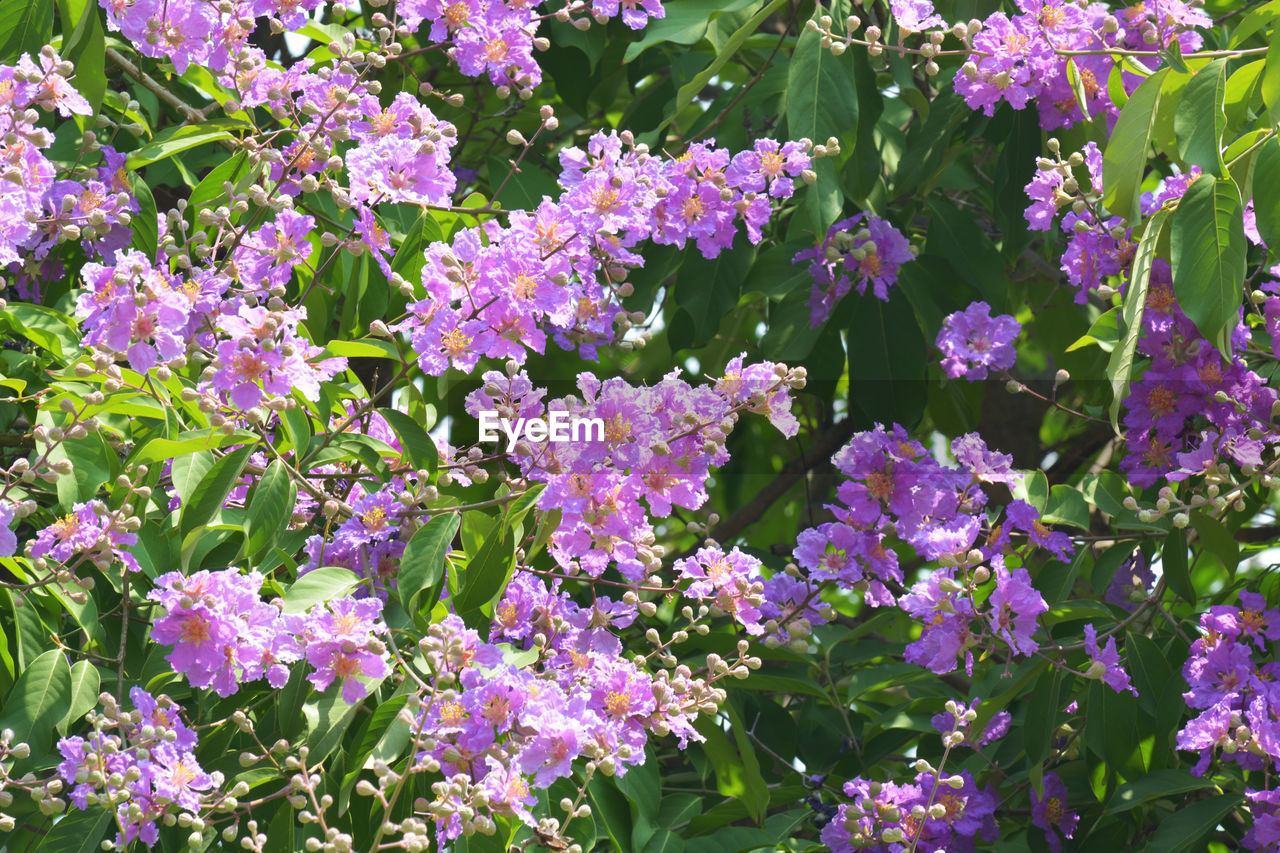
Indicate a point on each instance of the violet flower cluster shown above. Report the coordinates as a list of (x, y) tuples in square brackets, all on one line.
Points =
[(503, 723), (223, 635), (898, 491), (1190, 409), (888, 817), (91, 532), (493, 38), (140, 763), (974, 343), (498, 291), (1019, 59), (855, 252), (659, 446), (1232, 681), (43, 204)]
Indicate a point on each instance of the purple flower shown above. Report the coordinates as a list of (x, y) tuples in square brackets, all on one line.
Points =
[(871, 254), (340, 640), (1049, 812), (1105, 663), (915, 16), (1015, 609), (973, 342), (730, 582)]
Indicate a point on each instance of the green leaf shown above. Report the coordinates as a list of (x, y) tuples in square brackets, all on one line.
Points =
[(888, 360), (209, 496), (1066, 506), (821, 102), (328, 718), (1185, 830), (1156, 784), (1042, 716), (685, 23), (706, 289), (1207, 253), (187, 443), (270, 508), (1271, 80), (957, 237), (1125, 158), (318, 585), (724, 52), (417, 444), (1173, 558), (25, 27), (1120, 365), (487, 572), (146, 232), (209, 193), (85, 682), (1266, 203), (182, 137), (756, 797), (38, 700), (1217, 540), (1201, 119), (78, 831), (423, 562), (84, 44), (1104, 333)]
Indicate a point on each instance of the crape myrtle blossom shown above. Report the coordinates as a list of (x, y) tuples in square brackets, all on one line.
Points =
[(501, 290), (43, 204), (498, 721), (1104, 663), (141, 762), (90, 531), (880, 816), (973, 342), (1049, 812), (223, 635), (260, 354), (1017, 58), (489, 38), (1232, 685), (659, 444), (142, 313), (855, 252), (1176, 424), (898, 492)]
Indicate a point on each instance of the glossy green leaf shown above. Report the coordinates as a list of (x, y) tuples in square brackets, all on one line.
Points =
[(208, 497), (1158, 783), (422, 567), (1120, 365), (25, 27), (888, 360), (38, 700), (1201, 119), (317, 586), (820, 103), (181, 138), (1208, 247), (1271, 80), (1185, 830), (1173, 558), (78, 831), (85, 682), (1125, 158), (1266, 203), (270, 508)]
